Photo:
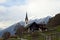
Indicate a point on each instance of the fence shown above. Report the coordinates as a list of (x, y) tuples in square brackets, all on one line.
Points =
[(55, 36), (42, 36)]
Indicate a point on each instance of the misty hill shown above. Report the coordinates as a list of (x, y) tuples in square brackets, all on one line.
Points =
[(12, 28), (54, 21)]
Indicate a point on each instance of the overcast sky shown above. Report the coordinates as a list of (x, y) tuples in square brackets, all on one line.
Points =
[(12, 11)]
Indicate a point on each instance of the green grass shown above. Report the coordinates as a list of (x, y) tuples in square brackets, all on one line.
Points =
[(38, 35), (58, 28), (13, 39), (33, 36)]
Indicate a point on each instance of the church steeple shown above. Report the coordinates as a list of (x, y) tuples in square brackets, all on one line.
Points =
[(26, 18)]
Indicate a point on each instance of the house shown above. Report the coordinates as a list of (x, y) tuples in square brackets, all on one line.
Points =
[(43, 27), (34, 26)]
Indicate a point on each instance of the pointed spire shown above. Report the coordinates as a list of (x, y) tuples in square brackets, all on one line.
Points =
[(26, 17)]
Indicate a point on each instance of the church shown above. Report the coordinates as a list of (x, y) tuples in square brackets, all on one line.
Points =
[(34, 26), (26, 19)]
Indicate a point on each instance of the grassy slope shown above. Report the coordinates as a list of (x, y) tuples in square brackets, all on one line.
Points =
[(39, 35), (58, 28)]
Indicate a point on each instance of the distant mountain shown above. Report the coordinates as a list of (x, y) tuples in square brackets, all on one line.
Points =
[(12, 28), (38, 21), (42, 20)]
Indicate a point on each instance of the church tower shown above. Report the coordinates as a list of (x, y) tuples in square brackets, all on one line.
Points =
[(26, 19)]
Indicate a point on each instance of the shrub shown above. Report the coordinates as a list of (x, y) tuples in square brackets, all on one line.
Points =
[(6, 35)]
